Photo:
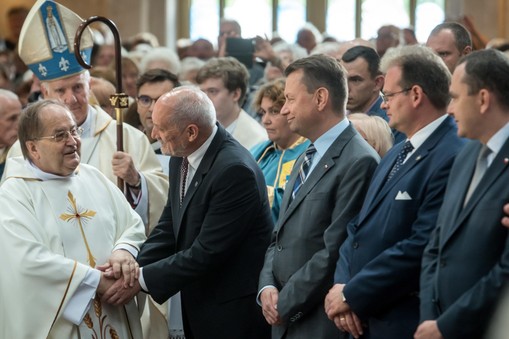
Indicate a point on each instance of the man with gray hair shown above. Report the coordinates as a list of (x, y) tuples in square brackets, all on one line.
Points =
[(377, 275), (10, 108), (212, 236)]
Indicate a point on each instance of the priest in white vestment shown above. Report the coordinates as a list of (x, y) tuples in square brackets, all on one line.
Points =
[(66, 234), (64, 79)]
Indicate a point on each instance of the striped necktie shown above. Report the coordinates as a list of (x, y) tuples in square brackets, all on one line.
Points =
[(304, 169), (184, 167)]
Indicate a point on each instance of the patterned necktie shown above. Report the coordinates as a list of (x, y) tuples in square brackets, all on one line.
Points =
[(480, 169), (304, 169), (183, 176), (407, 148)]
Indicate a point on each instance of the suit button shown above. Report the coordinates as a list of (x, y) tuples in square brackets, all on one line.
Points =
[(279, 248), (355, 245), (443, 263)]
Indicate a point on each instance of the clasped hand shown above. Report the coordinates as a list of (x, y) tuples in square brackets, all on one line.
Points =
[(119, 278), (339, 311), (269, 298)]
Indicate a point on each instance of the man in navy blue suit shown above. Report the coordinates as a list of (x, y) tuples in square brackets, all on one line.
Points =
[(377, 276), (465, 266)]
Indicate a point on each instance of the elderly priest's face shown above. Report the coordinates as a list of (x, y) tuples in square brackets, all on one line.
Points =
[(56, 149)]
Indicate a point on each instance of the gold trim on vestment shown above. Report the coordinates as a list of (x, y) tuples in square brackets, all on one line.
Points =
[(65, 294)]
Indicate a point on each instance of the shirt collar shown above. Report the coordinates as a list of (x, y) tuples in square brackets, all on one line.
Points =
[(498, 139), (420, 137), (196, 157), (44, 176), (323, 143)]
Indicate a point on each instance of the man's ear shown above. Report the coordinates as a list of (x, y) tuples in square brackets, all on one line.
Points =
[(484, 99), (379, 82), (32, 149), (467, 50), (236, 95), (417, 95), (322, 97), (192, 132)]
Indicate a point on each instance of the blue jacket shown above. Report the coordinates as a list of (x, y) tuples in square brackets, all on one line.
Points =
[(276, 165), (380, 260)]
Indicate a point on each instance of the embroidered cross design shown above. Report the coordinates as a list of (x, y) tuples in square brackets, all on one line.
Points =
[(80, 216)]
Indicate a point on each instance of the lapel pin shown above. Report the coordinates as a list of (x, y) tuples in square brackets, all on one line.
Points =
[(506, 161), (195, 183), (418, 158), (326, 166)]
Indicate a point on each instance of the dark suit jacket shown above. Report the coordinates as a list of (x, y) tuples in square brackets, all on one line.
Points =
[(212, 248), (378, 111), (380, 260), (466, 263), (300, 262)]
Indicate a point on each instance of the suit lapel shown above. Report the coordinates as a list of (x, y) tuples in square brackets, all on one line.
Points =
[(496, 169), (291, 182), (325, 164), (205, 165), (381, 188), (460, 187), (174, 194), (373, 195)]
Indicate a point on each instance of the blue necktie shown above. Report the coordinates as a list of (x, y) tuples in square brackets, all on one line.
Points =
[(407, 148), (304, 169)]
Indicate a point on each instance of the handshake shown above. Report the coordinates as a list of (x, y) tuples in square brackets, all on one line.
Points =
[(119, 279)]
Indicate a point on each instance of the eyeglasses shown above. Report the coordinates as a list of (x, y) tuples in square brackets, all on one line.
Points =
[(146, 101), (64, 135), (387, 96)]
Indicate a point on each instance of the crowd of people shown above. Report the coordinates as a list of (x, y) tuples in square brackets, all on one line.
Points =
[(319, 189)]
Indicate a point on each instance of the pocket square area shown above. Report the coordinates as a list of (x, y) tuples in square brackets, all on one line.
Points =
[(403, 196)]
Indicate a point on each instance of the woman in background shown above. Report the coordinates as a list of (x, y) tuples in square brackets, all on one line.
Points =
[(374, 130), (277, 155)]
